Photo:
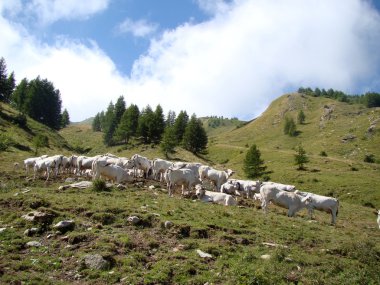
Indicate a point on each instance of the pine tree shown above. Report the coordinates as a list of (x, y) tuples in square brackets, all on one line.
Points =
[(119, 109), (96, 126), (18, 98), (170, 119), (180, 125), (253, 164), (109, 125), (195, 137), (168, 142), (301, 158), (159, 124), (290, 127), (301, 117), (65, 119), (146, 124), (7, 83)]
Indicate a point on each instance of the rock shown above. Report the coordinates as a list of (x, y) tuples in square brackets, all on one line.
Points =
[(65, 225), (96, 261), (33, 244), (70, 180), (274, 245), (121, 187), (31, 231), (203, 254), (2, 229), (38, 217), (265, 256), (134, 220), (168, 224), (63, 187), (151, 187)]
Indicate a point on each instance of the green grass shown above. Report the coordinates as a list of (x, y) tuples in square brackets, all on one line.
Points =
[(308, 252)]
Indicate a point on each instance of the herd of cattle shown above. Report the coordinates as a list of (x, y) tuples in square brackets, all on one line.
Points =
[(187, 175)]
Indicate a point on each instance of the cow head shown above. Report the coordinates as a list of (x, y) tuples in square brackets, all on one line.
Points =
[(199, 191)]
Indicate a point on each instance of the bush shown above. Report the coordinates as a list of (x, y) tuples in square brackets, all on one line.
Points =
[(99, 185), (20, 120), (370, 158), (323, 153), (5, 142)]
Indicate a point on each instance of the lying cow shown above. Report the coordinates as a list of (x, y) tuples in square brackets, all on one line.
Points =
[(322, 203), (214, 197), (288, 200)]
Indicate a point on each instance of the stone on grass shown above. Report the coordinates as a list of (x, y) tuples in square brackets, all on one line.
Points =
[(38, 217), (203, 254), (33, 243), (134, 220), (31, 231), (2, 229), (64, 225), (168, 224), (265, 256), (96, 261)]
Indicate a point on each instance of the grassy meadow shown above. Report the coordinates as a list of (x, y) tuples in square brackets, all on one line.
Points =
[(246, 246)]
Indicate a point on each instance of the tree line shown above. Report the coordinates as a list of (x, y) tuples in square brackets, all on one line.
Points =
[(120, 124), (37, 98), (369, 99)]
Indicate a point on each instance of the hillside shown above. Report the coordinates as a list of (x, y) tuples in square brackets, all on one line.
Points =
[(346, 133), (244, 246)]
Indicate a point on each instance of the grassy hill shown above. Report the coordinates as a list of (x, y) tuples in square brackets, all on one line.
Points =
[(338, 129), (246, 246)]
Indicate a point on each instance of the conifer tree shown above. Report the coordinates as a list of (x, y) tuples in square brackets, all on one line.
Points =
[(301, 117), (180, 125), (96, 126), (65, 119), (168, 142), (119, 109), (195, 137), (301, 158), (253, 164), (109, 124), (290, 127)]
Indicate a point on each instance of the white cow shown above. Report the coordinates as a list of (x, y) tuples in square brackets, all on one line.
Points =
[(47, 165), (184, 177), (378, 218), (283, 187), (217, 177), (159, 166), (230, 187), (30, 162), (113, 172), (214, 197), (249, 187), (141, 163), (322, 203), (84, 162), (288, 200)]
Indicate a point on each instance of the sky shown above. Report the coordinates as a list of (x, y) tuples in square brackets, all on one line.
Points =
[(227, 58)]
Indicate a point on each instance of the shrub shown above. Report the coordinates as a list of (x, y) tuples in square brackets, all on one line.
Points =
[(99, 185), (323, 153), (370, 158), (5, 142)]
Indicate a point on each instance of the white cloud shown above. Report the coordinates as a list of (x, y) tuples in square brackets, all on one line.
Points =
[(233, 65), (140, 28), (49, 11), (213, 6)]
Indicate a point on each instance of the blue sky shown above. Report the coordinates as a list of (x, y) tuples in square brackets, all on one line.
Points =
[(208, 57)]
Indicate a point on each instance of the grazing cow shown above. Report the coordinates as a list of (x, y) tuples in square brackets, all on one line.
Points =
[(322, 203), (159, 166), (283, 187), (30, 162), (288, 200), (217, 177), (84, 162), (46, 164), (113, 172), (214, 197), (141, 163), (184, 177)]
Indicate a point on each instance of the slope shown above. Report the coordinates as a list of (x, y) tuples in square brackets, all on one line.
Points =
[(346, 133)]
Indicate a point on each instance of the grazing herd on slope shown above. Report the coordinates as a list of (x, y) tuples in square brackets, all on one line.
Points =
[(187, 175)]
